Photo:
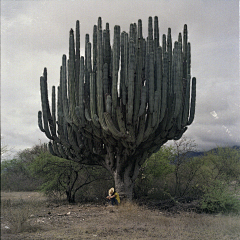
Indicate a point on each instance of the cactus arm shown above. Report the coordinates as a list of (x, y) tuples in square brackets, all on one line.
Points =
[(81, 94), (169, 50), (55, 149), (116, 134), (189, 59), (116, 56), (93, 99), (138, 81), (72, 138), (86, 76), (77, 62), (151, 82), (157, 107), (126, 56), (149, 127), (40, 125), (171, 106), (133, 38), (156, 33), (121, 122), (143, 101), (64, 91), (59, 101), (130, 89), (146, 76), (185, 51), (122, 126), (164, 94), (124, 67), (107, 49), (95, 48), (54, 110), (109, 104), (87, 115), (88, 58), (45, 107), (185, 113), (150, 35), (109, 139), (71, 78), (155, 110), (164, 43), (97, 130), (178, 89), (141, 129), (63, 136), (105, 79), (179, 135), (50, 147), (122, 73), (62, 152), (193, 102), (101, 86)]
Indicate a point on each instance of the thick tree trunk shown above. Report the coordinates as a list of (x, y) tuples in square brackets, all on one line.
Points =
[(124, 171), (124, 186)]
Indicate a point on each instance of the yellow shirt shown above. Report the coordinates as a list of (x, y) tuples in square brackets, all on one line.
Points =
[(117, 197)]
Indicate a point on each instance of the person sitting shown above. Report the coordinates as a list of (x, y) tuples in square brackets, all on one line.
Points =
[(113, 197)]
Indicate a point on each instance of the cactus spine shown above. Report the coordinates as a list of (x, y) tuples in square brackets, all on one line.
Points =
[(119, 104)]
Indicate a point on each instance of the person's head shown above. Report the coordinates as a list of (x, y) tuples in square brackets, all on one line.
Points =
[(111, 191)]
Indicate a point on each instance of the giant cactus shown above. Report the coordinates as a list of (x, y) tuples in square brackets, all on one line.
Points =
[(120, 103)]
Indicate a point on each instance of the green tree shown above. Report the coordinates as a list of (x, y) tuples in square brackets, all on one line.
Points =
[(220, 180), (153, 178), (64, 176), (223, 164), (185, 167), (171, 172), (15, 174)]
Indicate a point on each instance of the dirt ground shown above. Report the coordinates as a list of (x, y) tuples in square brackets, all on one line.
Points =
[(31, 216)]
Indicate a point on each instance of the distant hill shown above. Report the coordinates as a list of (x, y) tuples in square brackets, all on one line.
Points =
[(192, 154)]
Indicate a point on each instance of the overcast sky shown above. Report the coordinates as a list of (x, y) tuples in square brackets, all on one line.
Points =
[(34, 35)]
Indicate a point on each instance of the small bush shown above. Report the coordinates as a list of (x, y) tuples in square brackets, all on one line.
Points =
[(218, 198)]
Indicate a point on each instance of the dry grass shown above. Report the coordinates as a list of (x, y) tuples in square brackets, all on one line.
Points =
[(17, 210), (127, 221), (22, 195), (141, 223)]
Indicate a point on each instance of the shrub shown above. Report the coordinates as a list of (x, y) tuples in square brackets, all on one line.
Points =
[(15, 174), (172, 173), (219, 198), (153, 178), (67, 177)]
